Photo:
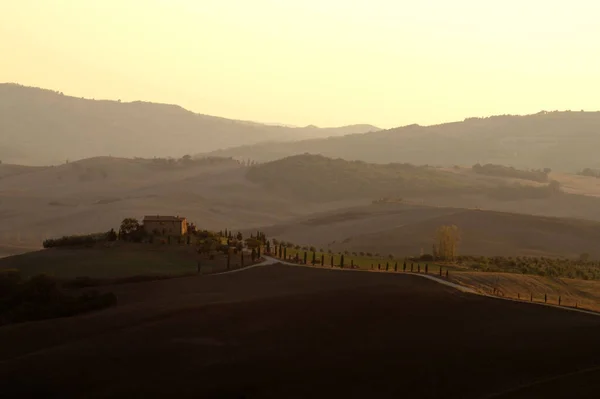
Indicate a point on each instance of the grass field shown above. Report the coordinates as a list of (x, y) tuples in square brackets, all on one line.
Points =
[(117, 261), (371, 262), (581, 293)]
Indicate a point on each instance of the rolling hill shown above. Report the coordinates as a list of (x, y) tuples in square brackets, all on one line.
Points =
[(407, 230), (40, 127), (563, 141), (95, 194)]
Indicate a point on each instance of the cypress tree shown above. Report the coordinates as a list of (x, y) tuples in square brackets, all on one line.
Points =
[(322, 259), (351, 263), (258, 252), (396, 267), (419, 267), (305, 257), (426, 268), (285, 253), (387, 266), (342, 261), (379, 266), (412, 265), (269, 247), (331, 260), (404, 267), (253, 255), (314, 258)]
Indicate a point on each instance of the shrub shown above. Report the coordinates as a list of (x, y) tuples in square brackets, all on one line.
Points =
[(76, 240)]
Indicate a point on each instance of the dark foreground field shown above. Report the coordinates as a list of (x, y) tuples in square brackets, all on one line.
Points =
[(291, 332)]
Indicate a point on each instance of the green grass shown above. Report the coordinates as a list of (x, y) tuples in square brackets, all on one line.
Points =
[(103, 262), (366, 262)]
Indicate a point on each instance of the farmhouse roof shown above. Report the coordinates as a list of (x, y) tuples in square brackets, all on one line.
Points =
[(158, 218)]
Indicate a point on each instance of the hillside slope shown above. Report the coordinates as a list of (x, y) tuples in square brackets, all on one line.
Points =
[(406, 230), (45, 127), (96, 194), (559, 140)]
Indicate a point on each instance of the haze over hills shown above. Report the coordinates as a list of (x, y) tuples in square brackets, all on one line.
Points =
[(40, 127), (96, 194), (402, 229), (565, 141)]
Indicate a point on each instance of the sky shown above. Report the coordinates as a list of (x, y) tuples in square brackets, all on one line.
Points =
[(323, 62)]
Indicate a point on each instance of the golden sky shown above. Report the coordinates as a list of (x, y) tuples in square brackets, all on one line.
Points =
[(322, 62)]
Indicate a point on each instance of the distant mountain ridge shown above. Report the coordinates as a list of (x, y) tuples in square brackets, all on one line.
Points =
[(564, 141), (40, 126)]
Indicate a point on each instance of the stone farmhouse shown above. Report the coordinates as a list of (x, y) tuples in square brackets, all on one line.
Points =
[(165, 225)]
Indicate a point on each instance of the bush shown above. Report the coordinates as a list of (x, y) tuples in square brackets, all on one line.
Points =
[(77, 240)]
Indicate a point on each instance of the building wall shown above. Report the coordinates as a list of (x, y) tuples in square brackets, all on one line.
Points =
[(166, 227)]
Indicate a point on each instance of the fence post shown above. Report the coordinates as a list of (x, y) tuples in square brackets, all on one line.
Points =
[(379, 266), (411, 267), (305, 257), (387, 266), (351, 263), (518, 296), (404, 266), (559, 300), (545, 298), (446, 273), (531, 297), (322, 259), (331, 260), (228, 259), (242, 258), (426, 268), (372, 267), (396, 267), (198, 267), (342, 262), (440, 271), (285, 253), (419, 267)]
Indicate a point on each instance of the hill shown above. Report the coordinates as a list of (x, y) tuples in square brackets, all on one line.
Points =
[(46, 127), (408, 230), (289, 332), (318, 177), (563, 141), (96, 194), (315, 177)]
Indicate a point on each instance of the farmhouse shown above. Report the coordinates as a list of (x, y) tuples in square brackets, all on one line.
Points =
[(165, 225)]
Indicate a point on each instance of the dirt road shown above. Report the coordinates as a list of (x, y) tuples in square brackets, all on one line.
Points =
[(279, 331)]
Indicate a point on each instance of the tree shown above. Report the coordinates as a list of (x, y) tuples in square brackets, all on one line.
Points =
[(111, 235), (129, 225), (554, 186), (131, 230), (448, 238)]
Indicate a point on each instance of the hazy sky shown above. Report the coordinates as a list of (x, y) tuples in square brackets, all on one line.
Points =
[(326, 62)]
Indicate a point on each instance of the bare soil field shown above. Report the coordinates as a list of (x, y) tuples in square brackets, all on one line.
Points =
[(282, 331)]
